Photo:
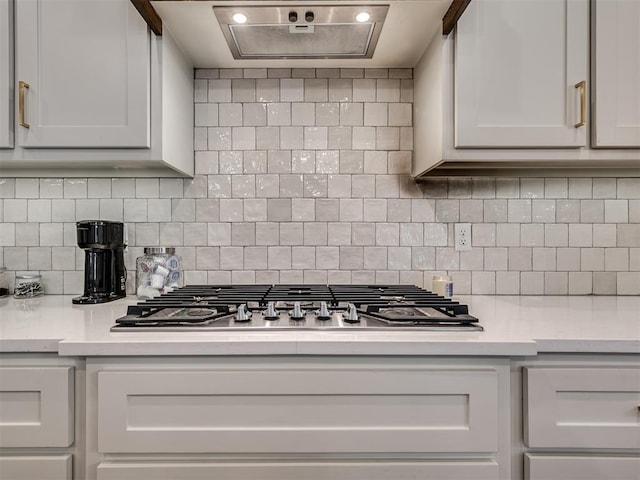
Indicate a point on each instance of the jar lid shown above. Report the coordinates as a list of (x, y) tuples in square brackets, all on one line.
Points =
[(29, 276), (156, 250)]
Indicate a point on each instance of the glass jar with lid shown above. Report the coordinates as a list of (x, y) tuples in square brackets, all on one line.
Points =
[(4, 282), (158, 271), (28, 286)]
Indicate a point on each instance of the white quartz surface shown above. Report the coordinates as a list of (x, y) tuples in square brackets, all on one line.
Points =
[(514, 326)]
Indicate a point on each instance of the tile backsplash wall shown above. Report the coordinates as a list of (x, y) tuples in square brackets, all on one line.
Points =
[(303, 176)]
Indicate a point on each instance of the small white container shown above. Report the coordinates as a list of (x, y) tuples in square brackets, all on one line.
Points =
[(442, 285)]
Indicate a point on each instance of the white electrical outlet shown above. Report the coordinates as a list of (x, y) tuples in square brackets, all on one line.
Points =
[(463, 236)]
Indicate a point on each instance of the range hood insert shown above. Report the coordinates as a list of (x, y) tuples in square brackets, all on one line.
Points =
[(312, 31)]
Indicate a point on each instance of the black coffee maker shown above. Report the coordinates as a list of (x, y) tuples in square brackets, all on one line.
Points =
[(104, 273)]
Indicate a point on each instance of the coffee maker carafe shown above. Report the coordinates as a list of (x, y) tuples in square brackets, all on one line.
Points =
[(104, 272)]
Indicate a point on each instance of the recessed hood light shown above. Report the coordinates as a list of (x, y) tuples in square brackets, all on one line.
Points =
[(363, 17), (239, 18)]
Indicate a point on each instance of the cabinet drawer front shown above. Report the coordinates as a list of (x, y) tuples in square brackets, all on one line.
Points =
[(40, 467), (567, 467), (582, 407), (36, 406), (467, 470), (298, 411)]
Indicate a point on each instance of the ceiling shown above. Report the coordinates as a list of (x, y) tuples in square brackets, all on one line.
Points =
[(408, 28)]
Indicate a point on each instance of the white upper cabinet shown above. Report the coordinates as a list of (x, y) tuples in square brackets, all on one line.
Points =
[(6, 74), (517, 63), (94, 93), (82, 69), (616, 70)]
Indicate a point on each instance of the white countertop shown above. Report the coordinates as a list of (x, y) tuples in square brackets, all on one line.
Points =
[(514, 326)]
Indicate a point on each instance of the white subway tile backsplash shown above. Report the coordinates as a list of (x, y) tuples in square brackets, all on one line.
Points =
[(351, 210), (316, 90), (532, 188), (375, 114), (508, 283), (495, 211), (303, 175), (628, 283), (471, 211), (567, 211), (219, 91), (363, 186), (387, 90), (556, 188), (375, 210), (338, 233), (472, 259), (399, 209), (519, 211), (363, 233), (27, 234), (15, 210), (51, 188), (364, 90), (592, 211), (448, 211), (206, 115), (316, 138), (628, 188), (580, 187), (580, 283), (27, 188), (507, 188), (580, 235), (616, 211), (243, 234), (628, 235), (604, 235), (254, 210), (292, 234), (604, 283)]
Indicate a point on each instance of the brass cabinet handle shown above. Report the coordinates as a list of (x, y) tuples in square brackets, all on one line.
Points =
[(583, 103), (22, 86)]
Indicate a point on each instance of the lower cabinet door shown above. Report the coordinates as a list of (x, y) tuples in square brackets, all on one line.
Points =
[(582, 407), (35, 467), (298, 411), (36, 407), (574, 467), (372, 470)]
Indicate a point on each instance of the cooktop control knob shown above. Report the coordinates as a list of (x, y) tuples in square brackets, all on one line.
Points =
[(297, 313), (323, 313), (242, 315), (270, 313), (351, 316)]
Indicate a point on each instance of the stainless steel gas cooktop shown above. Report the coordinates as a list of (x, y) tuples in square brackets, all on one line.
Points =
[(297, 307)]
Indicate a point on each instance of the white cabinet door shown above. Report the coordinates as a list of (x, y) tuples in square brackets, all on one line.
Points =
[(576, 467), (36, 407), (517, 63), (616, 67), (86, 64), (36, 467), (298, 411), (6, 74), (582, 407), (301, 470)]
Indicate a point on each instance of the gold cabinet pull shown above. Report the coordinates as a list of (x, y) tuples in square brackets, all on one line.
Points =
[(583, 103), (22, 86)]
